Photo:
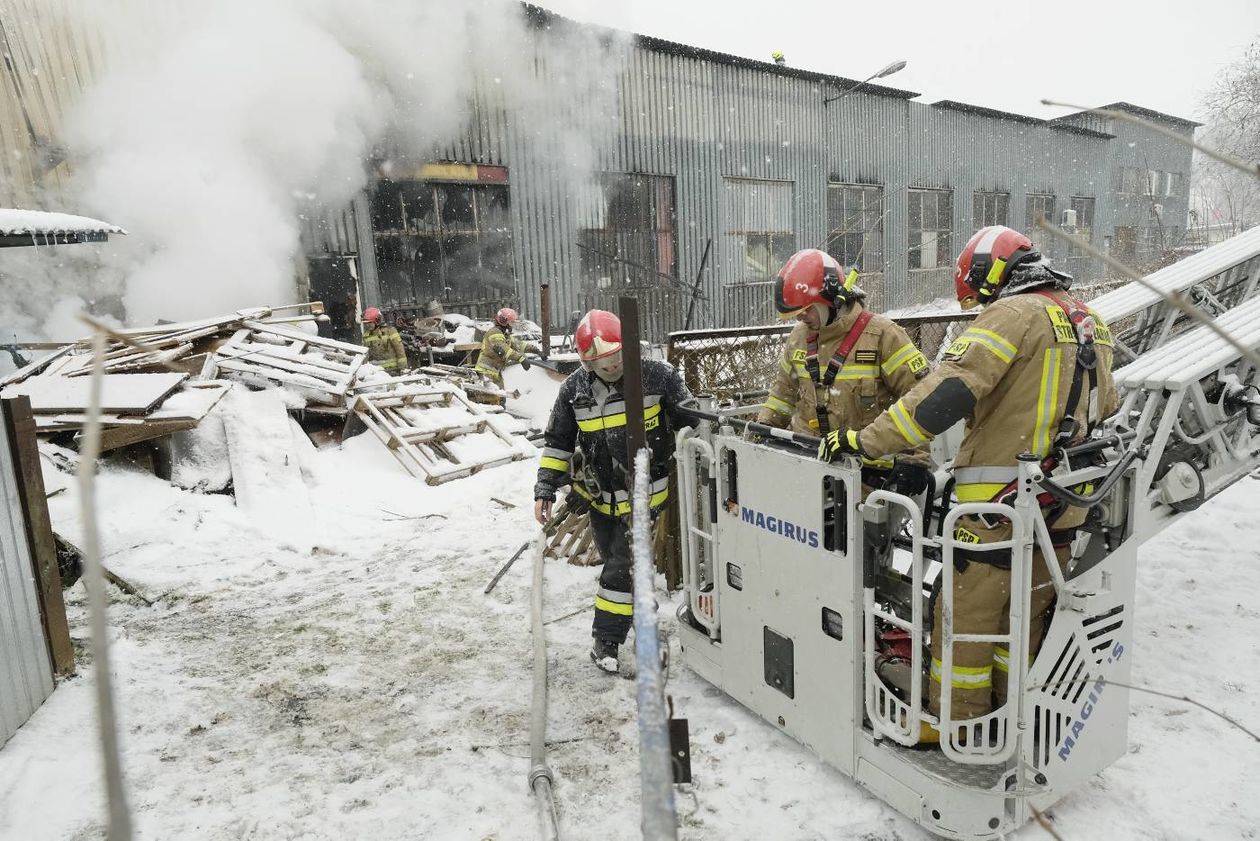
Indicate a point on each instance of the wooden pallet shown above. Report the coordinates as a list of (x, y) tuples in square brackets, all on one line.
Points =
[(260, 354), (434, 431)]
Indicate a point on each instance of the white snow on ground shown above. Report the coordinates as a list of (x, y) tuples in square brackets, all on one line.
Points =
[(369, 689)]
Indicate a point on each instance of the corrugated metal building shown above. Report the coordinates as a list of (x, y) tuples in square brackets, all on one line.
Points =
[(26, 678), (692, 146)]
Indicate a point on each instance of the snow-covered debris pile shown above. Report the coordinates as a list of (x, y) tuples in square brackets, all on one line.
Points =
[(320, 370), (435, 431), (156, 380)]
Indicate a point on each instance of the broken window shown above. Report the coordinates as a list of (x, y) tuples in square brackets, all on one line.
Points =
[(931, 225), (990, 209), (446, 240), (855, 220), (626, 230), (758, 232), (1083, 209), (1039, 206)]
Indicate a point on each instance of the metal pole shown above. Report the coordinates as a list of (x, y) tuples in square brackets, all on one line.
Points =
[(695, 290), (545, 309), (656, 772)]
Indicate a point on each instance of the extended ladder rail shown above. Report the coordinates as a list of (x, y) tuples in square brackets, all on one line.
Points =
[(1180, 396), (889, 715), (1216, 279)]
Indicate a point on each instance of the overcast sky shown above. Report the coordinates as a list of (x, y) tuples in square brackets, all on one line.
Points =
[(1005, 55)]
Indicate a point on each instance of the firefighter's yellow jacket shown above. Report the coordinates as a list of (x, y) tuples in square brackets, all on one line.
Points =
[(882, 366), (385, 348), (1009, 374), (499, 349)]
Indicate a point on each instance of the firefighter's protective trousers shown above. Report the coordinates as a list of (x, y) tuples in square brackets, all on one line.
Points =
[(614, 600), (982, 602)]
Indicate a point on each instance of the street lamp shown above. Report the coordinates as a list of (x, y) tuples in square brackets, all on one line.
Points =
[(895, 67)]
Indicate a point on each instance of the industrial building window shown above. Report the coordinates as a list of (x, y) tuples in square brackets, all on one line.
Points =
[(1175, 185), (1127, 179), (855, 219), (1084, 209), (990, 209), (1038, 206), (444, 239), (758, 235), (626, 230), (931, 223)]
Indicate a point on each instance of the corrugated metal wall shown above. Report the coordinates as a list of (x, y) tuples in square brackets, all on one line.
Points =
[(25, 671), (708, 123)]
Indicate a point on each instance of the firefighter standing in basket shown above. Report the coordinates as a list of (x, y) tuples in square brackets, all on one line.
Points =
[(1032, 372), (589, 420), (842, 364)]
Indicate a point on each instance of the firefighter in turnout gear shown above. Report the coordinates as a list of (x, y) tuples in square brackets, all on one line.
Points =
[(588, 421), (1031, 373), (499, 348), (384, 344), (842, 364)]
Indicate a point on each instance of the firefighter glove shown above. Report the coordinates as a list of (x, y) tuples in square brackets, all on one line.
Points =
[(577, 503), (908, 477), (837, 443), (525, 362)]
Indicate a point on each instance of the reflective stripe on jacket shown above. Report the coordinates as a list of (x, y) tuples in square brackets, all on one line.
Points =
[(499, 349), (385, 348), (882, 366), (1009, 374), (590, 415)]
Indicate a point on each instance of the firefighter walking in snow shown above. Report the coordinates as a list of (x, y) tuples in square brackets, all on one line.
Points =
[(499, 348), (1032, 373), (842, 364), (588, 423), (384, 344)]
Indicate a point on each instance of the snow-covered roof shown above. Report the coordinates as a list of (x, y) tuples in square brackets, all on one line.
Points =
[(40, 227)]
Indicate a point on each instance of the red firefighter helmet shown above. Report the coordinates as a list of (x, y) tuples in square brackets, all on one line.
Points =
[(986, 262), (372, 315), (506, 317), (598, 335), (810, 277)]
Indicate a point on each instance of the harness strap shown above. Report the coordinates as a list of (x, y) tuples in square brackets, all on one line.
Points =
[(1086, 366), (823, 383)]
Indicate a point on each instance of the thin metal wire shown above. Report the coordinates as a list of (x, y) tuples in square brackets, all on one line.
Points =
[(1242, 166)]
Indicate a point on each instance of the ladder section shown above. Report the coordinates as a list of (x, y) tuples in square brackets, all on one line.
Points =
[(890, 715), (1195, 405), (1216, 280), (698, 465)]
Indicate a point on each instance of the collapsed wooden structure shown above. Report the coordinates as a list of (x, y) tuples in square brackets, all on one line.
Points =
[(443, 423)]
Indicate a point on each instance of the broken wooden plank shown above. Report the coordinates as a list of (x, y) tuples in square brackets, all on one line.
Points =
[(35, 367), (29, 477), (122, 436)]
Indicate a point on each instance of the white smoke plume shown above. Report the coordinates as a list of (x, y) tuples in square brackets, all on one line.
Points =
[(214, 125)]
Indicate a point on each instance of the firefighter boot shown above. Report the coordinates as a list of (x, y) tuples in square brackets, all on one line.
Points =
[(604, 655)]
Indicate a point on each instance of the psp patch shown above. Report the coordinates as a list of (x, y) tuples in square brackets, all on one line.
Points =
[(866, 357)]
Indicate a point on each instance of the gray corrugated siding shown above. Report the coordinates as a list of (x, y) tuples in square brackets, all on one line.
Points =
[(25, 672), (702, 122)]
